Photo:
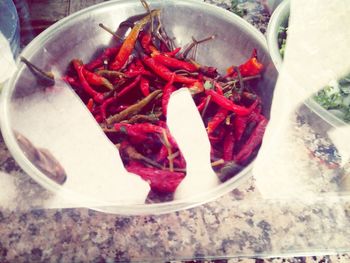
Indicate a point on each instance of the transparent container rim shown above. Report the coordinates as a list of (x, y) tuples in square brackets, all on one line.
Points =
[(129, 209)]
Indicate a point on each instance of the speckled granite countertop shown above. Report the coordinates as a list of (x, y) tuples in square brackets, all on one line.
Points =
[(239, 224)]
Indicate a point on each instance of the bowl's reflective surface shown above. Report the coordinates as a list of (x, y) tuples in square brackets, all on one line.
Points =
[(79, 36)]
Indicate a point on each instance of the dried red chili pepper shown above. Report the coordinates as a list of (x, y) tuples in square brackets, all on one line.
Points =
[(218, 88), (159, 180), (129, 43), (98, 97), (127, 129), (107, 54), (239, 123), (90, 104), (144, 86), (251, 67), (202, 104), (229, 143), (105, 105), (163, 72), (72, 81), (174, 63), (173, 53), (97, 80), (227, 104), (167, 90), (253, 141), (218, 118), (146, 41), (126, 89), (162, 154)]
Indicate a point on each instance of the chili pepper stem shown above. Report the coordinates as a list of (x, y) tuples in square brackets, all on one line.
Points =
[(110, 31), (195, 43), (217, 163), (47, 76), (146, 6), (170, 154), (206, 105)]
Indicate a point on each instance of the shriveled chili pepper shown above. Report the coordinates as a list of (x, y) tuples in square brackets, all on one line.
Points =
[(126, 128), (239, 123), (218, 118), (173, 53), (97, 80), (136, 69), (201, 105), (129, 43), (105, 105), (229, 143), (218, 88), (98, 97), (144, 86), (72, 81), (250, 68), (167, 90), (133, 109), (146, 41), (227, 104), (159, 180), (98, 118), (249, 96), (126, 89), (162, 154), (253, 141), (163, 72), (90, 104), (146, 128), (107, 54), (174, 63)]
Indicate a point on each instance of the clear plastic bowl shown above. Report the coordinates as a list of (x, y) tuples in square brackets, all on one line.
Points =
[(79, 35), (280, 18), (9, 24)]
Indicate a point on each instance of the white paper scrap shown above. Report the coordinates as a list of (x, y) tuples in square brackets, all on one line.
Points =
[(186, 126)]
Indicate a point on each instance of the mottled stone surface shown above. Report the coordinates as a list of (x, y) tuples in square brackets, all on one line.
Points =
[(238, 225)]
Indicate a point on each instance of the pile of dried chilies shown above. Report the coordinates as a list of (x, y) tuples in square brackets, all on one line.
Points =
[(127, 89)]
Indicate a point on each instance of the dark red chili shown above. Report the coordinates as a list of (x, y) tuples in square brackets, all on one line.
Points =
[(144, 86), (227, 104), (218, 118), (129, 87), (105, 105), (201, 105), (98, 97), (218, 88), (72, 81), (174, 63), (159, 180), (90, 104), (98, 62), (146, 41), (163, 72), (97, 80), (253, 141), (229, 143), (167, 90), (239, 123), (127, 129), (251, 67), (173, 53)]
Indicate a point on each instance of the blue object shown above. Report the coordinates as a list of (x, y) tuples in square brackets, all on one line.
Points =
[(9, 24)]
